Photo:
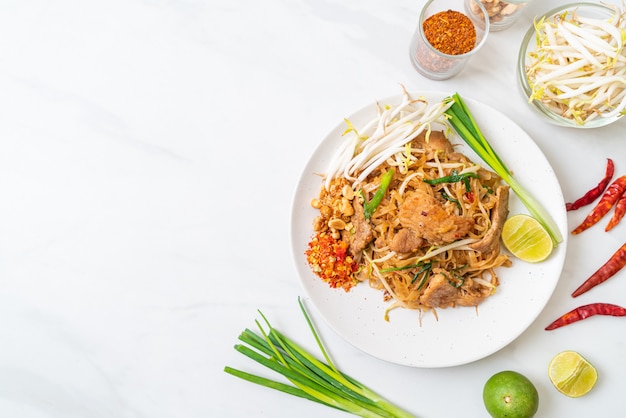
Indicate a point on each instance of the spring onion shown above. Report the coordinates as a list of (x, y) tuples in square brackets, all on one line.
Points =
[(463, 122), (310, 378), (423, 272), (578, 67), (401, 268), (449, 198), (370, 207), (452, 178)]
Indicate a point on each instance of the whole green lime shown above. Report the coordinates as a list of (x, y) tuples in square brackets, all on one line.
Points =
[(509, 394)]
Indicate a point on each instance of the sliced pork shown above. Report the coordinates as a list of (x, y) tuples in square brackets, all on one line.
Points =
[(363, 231), (491, 241), (427, 217)]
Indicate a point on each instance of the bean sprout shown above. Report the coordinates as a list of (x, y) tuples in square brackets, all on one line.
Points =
[(383, 137), (578, 69)]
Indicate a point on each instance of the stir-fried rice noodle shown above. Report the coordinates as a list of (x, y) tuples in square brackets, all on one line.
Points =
[(425, 246)]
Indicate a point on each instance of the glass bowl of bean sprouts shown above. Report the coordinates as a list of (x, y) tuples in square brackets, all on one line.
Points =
[(572, 65)]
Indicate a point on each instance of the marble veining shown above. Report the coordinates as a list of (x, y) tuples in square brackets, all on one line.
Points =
[(149, 154)]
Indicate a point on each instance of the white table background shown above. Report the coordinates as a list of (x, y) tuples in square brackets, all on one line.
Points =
[(149, 151)]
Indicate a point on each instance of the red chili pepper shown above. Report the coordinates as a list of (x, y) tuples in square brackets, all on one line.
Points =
[(594, 193), (608, 269), (608, 199), (585, 311), (620, 211)]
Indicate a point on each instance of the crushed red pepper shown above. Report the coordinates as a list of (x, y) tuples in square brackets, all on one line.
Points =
[(450, 32), (329, 260)]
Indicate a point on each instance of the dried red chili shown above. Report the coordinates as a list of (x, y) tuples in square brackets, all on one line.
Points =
[(620, 211), (594, 193), (608, 199), (584, 312), (608, 270), (450, 32)]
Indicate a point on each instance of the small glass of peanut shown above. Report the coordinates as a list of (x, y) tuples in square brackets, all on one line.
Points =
[(502, 14)]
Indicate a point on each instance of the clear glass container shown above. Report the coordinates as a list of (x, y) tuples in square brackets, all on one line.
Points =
[(431, 62), (502, 14), (590, 10)]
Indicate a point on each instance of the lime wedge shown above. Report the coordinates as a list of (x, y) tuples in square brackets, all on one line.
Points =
[(526, 239), (572, 374)]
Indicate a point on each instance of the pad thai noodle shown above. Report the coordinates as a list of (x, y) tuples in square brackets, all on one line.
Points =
[(403, 211)]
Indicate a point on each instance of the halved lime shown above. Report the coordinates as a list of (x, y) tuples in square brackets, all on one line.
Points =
[(572, 374), (526, 239)]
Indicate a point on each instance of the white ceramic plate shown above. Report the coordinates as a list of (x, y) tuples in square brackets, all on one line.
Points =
[(460, 335)]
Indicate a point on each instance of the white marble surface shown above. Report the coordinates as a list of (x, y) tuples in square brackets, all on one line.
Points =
[(149, 150)]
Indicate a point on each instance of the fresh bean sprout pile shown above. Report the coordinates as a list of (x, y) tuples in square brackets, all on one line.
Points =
[(385, 136), (578, 68)]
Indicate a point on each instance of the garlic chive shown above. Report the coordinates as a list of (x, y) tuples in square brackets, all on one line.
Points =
[(310, 378)]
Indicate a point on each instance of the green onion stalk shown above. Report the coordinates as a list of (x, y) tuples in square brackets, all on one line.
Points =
[(310, 378), (461, 119), (370, 207)]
